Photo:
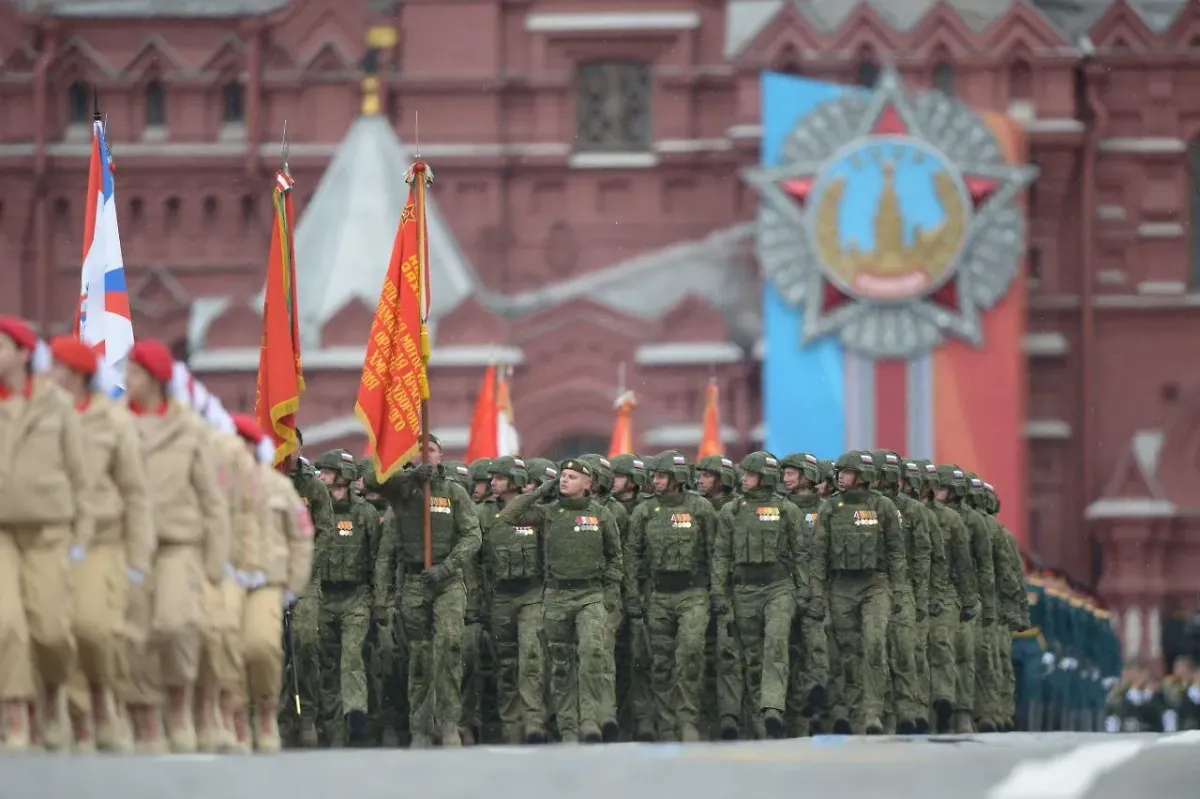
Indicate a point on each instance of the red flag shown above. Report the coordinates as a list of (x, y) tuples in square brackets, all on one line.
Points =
[(621, 442), (280, 372), (483, 442), (710, 438), (394, 379)]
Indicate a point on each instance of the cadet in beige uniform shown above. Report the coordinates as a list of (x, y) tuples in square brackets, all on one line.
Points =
[(191, 520), (45, 527), (120, 555), (281, 572)]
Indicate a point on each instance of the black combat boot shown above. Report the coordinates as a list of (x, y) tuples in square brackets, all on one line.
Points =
[(356, 726)]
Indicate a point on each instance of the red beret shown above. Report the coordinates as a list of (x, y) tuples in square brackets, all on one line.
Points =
[(154, 357), (247, 427), (20, 332), (74, 354)]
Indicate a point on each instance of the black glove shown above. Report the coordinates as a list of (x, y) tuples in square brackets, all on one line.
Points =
[(718, 605), (423, 472), (435, 574), (817, 608), (967, 614), (634, 608), (922, 614)]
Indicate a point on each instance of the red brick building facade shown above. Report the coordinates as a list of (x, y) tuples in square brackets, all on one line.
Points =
[(591, 222)]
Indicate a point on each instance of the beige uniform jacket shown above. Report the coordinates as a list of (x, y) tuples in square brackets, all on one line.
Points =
[(288, 534)]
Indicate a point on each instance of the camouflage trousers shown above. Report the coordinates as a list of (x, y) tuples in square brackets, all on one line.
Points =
[(836, 716), (516, 634), (433, 626), (387, 720), (302, 730), (577, 627), (472, 680), (939, 655), (763, 614), (631, 658), (676, 623), (345, 617), (964, 663), (1006, 681), (903, 692), (859, 609), (987, 689), (809, 664)]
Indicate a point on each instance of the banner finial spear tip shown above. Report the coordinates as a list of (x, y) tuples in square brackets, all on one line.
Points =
[(284, 147)]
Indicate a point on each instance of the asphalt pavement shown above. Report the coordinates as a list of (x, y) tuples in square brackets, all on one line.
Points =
[(1012, 766)]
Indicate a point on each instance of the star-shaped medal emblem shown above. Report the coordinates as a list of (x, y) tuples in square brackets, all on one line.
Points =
[(892, 220)]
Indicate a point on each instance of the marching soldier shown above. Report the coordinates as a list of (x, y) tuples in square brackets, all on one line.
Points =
[(121, 552), (191, 519), (716, 479), (583, 586), (759, 549), (668, 561), (388, 686), (432, 602)]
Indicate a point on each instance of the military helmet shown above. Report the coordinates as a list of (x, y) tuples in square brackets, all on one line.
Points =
[(602, 473), (479, 469), (720, 466), (512, 467), (340, 462), (371, 483), (858, 461), (952, 477), (632, 467), (806, 463), (914, 474), (763, 464), (993, 506), (459, 473), (889, 467), (674, 463), (366, 468), (826, 469), (539, 470)]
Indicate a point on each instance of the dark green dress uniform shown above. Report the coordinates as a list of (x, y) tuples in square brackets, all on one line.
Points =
[(432, 602), (668, 557), (302, 730), (858, 567), (584, 577), (1030, 661), (513, 576), (756, 564)]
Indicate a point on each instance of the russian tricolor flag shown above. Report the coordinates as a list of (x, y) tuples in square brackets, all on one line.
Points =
[(103, 319)]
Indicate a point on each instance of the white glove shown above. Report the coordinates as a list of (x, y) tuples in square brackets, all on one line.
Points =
[(258, 579), (230, 573), (1109, 683), (1112, 724), (77, 553), (135, 577), (1095, 674), (289, 598), (1048, 658), (1194, 694), (1134, 696), (1170, 720)]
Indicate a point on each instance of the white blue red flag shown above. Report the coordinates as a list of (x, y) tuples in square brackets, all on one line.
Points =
[(103, 319)]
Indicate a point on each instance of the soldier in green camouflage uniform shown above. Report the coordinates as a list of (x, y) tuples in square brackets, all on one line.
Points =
[(858, 566), (302, 730), (934, 649), (345, 575), (387, 722), (513, 573), (471, 723), (631, 656), (1012, 611), (970, 646), (432, 602), (584, 577), (724, 693), (907, 705), (667, 557), (808, 685), (757, 563), (540, 470)]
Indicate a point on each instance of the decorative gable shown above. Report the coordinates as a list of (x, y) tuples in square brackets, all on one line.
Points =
[(329, 58), (228, 59), (864, 29), (942, 32), (78, 60), (153, 58), (693, 319), (471, 323), (1184, 32), (1023, 28), (238, 324), (1135, 476), (782, 43), (350, 326)]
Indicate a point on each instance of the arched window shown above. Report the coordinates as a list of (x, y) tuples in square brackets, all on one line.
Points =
[(868, 73), (249, 212), (77, 103), (1020, 81), (156, 105), (789, 61), (62, 216), (211, 210), (174, 211), (233, 103), (1194, 180), (943, 78)]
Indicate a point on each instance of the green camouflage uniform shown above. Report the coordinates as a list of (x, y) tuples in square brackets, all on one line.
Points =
[(584, 577), (387, 722), (808, 685), (631, 654), (432, 602), (472, 478), (668, 560), (858, 566), (514, 576), (724, 693), (302, 730), (907, 705), (345, 574), (757, 563), (934, 650)]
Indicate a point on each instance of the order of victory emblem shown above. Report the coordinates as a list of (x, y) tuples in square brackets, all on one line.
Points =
[(893, 221)]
